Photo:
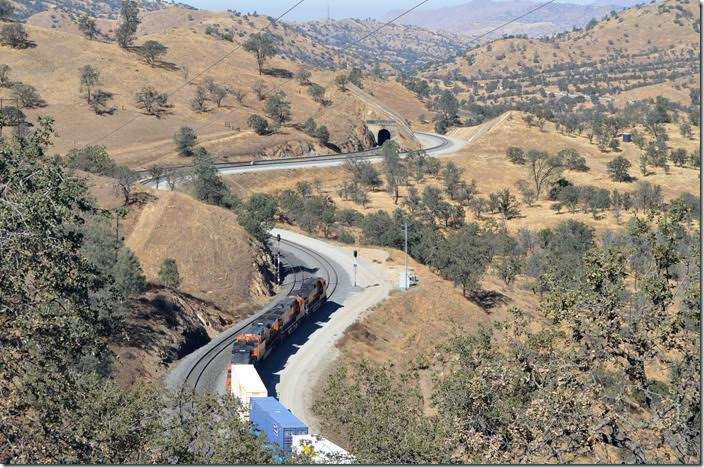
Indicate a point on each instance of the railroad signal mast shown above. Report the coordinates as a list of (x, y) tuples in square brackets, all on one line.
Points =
[(355, 268), (405, 255)]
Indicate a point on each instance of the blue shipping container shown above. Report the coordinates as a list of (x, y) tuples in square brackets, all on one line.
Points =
[(278, 423)]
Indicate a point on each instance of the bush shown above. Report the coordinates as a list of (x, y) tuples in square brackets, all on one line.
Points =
[(185, 140), (346, 238), (317, 92), (168, 273), (27, 95), (618, 169), (128, 274), (14, 35), (278, 107), (322, 134), (515, 155), (93, 159), (151, 51), (572, 160), (152, 101), (259, 124), (349, 217)]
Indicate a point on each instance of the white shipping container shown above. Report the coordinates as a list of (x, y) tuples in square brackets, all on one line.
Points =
[(320, 449), (246, 383)]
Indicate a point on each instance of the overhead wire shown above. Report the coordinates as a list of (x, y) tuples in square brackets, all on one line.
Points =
[(357, 41), (202, 72)]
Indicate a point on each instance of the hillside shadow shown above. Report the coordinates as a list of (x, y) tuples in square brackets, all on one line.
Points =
[(164, 65), (278, 72), (269, 369), (488, 300)]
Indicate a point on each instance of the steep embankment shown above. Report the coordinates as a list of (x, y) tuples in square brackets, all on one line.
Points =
[(224, 276), (218, 261)]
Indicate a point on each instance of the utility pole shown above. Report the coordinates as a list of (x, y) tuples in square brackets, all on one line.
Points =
[(405, 256)]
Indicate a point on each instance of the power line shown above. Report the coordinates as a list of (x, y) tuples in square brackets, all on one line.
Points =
[(278, 87), (514, 19), (205, 70), (393, 20)]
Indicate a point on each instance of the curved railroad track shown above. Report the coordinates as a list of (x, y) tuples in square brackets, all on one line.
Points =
[(212, 359), (436, 144)]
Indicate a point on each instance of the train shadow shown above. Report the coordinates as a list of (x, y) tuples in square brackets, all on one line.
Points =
[(269, 369), (298, 269)]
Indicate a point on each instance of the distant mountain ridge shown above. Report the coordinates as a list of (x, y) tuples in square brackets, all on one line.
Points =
[(397, 45), (480, 16)]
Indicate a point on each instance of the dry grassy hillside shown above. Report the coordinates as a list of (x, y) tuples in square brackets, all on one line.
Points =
[(395, 45), (638, 47), (226, 26), (484, 160), (224, 276), (52, 67), (218, 261)]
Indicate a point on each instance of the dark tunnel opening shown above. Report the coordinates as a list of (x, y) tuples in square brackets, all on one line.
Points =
[(384, 135)]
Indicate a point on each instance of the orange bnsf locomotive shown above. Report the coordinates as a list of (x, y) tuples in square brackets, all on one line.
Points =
[(257, 339)]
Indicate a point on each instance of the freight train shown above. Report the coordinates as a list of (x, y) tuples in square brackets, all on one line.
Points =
[(254, 343), (256, 340)]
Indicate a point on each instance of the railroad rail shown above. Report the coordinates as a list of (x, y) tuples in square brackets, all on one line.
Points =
[(198, 368)]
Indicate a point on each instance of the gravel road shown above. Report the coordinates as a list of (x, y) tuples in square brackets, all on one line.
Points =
[(296, 373)]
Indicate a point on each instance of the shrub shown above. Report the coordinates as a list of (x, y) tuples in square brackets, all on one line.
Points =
[(259, 124), (618, 169), (14, 35), (93, 159), (27, 95), (185, 140), (168, 273), (572, 160), (515, 155), (346, 238)]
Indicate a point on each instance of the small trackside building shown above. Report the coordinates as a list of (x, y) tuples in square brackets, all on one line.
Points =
[(277, 422)]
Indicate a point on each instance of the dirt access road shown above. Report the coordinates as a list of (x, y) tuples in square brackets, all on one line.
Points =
[(295, 373)]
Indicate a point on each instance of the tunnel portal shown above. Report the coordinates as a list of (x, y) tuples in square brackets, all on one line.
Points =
[(383, 135)]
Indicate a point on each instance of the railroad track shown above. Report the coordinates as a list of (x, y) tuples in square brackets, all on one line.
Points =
[(202, 364), (302, 161)]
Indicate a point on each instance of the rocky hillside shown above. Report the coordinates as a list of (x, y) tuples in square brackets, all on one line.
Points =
[(225, 276), (162, 326)]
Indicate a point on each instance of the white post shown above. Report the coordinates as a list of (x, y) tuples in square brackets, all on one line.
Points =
[(405, 256), (355, 274)]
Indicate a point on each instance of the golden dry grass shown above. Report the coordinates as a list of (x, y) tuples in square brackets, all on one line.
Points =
[(53, 68), (637, 30), (485, 161), (216, 258)]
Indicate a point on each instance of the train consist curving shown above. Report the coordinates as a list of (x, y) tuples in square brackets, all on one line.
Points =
[(256, 341), (253, 344)]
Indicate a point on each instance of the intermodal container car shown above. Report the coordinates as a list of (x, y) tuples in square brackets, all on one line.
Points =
[(278, 423), (244, 383)]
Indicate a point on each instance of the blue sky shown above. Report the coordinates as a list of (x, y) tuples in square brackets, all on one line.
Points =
[(316, 9)]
